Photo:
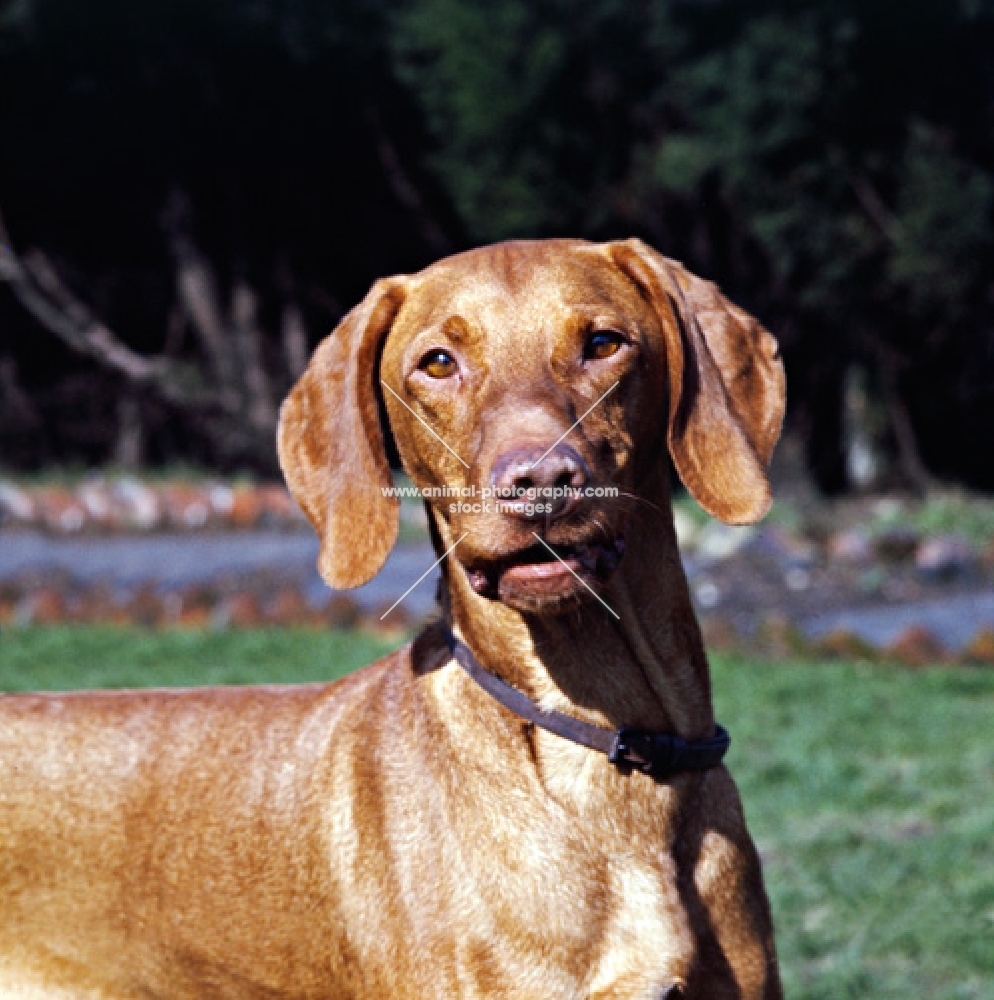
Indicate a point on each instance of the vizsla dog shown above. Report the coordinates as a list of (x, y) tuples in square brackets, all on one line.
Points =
[(527, 801)]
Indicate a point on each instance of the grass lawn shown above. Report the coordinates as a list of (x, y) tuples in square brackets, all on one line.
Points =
[(868, 789), (60, 657)]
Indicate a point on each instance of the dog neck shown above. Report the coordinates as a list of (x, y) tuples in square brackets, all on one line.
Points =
[(645, 668)]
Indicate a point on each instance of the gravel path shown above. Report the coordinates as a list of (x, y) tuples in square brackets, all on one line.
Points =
[(175, 561), (179, 560)]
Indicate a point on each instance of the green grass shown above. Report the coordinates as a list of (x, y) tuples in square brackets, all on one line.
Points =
[(868, 790), (65, 657)]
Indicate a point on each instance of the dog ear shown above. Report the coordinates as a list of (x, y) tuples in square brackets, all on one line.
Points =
[(331, 446), (726, 385)]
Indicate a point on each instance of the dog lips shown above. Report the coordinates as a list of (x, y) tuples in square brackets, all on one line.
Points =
[(479, 581)]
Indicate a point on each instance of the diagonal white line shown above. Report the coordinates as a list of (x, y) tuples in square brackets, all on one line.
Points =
[(428, 427), (578, 419), (424, 574), (570, 568)]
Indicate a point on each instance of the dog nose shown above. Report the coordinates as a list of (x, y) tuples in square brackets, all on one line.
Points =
[(538, 485)]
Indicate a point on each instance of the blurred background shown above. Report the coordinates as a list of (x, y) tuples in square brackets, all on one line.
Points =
[(191, 196), (193, 193)]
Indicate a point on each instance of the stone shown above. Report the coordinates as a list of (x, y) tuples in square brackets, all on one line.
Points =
[(187, 507), (896, 544), (145, 607), (16, 505), (686, 529), (707, 593), (789, 549), (289, 607), (779, 637), (245, 508), (278, 508), (720, 633), (61, 513), (916, 646), (96, 500), (238, 610), (221, 499), (717, 541), (41, 607), (136, 505), (981, 648), (341, 612), (945, 558), (850, 546), (843, 644)]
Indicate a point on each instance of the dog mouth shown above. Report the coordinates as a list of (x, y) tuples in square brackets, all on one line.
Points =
[(547, 571)]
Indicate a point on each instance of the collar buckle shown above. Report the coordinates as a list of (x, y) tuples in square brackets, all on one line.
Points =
[(658, 754)]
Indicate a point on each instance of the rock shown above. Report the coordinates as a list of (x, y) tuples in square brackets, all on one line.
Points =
[(788, 549), (237, 611), (850, 546), (61, 513), (98, 504), (196, 608), (720, 633), (686, 529), (221, 499), (388, 623), (707, 593), (341, 612), (196, 618), (888, 509), (136, 506), (916, 646), (245, 508), (278, 508), (16, 505), (896, 544), (289, 607), (845, 645), (40, 607), (145, 607), (872, 580), (981, 648), (98, 606), (717, 542), (187, 508), (779, 637), (10, 595), (945, 558)]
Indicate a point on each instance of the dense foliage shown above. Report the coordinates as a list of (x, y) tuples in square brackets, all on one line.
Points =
[(828, 163)]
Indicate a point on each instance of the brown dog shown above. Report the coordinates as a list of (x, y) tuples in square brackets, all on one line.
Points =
[(401, 833)]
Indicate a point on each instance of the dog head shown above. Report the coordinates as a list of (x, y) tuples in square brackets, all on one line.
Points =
[(528, 386)]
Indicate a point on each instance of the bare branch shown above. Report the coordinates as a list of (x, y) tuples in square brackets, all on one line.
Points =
[(873, 205), (404, 188), (908, 454), (197, 292), (293, 333), (239, 414), (38, 288), (260, 404)]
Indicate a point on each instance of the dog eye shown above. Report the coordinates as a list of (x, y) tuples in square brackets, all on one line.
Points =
[(438, 364), (602, 344)]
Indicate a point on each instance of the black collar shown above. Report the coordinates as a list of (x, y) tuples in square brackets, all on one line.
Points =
[(658, 754)]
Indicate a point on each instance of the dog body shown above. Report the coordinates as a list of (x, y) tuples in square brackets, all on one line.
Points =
[(400, 833)]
